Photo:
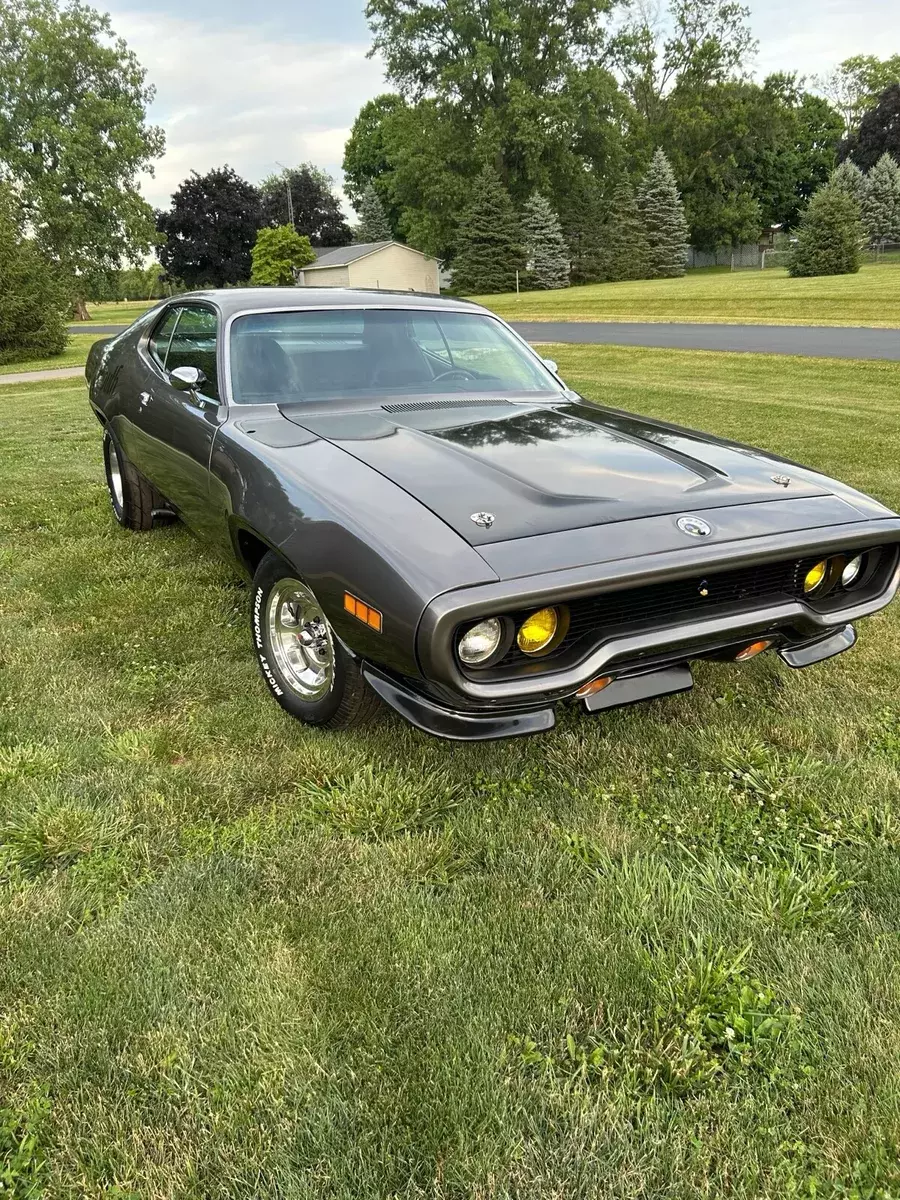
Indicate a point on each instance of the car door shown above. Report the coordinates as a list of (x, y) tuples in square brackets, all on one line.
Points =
[(173, 429)]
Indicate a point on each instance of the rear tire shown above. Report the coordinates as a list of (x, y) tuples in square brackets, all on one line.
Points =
[(134, 499), (305, 668)]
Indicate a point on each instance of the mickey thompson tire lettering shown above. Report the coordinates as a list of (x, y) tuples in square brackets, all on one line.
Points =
[(258, 639)]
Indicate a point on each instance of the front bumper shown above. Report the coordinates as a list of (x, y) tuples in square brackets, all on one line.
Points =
[(632, 687)]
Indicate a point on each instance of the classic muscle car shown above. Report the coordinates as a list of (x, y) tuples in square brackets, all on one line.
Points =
[(430, 516)]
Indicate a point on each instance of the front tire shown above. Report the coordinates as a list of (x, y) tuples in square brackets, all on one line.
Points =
[(305, 668), (134, 499)]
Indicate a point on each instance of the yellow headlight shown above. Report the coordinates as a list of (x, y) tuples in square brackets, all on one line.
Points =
[(814, 576), (537, 632)]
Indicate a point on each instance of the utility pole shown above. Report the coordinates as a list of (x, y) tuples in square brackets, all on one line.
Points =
[(290, 198)]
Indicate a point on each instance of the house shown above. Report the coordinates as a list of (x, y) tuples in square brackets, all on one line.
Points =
[(388, 265)]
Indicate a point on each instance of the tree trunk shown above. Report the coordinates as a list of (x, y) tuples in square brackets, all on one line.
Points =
[(81, 312)]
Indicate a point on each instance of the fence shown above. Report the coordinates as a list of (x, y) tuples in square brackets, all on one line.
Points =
[(736, 257), (750, 257)]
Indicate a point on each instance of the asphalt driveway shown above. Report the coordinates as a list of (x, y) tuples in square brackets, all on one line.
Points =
[(822, 341)]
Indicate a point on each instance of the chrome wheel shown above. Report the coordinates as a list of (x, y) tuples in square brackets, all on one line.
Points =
[(300, 639), (115, 476)]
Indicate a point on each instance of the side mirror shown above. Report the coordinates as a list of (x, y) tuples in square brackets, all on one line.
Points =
[(550, 365), (187, 379)]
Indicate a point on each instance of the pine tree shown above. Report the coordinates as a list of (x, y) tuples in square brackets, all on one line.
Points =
[(849, 178), (626, 252), (881, 201), (829, 237), (36, 299), (489, 247), (373, 224), (582, 220), (665, 226), (548, 256)]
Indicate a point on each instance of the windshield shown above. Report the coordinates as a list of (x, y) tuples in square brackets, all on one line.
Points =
[(315, 354)]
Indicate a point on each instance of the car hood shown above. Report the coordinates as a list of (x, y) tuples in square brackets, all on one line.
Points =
[(543, 468)]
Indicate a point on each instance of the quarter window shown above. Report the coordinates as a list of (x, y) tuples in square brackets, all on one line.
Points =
[(194, 345), (162, 336)]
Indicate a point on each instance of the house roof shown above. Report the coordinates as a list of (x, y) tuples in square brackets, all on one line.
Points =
[(343, 255)]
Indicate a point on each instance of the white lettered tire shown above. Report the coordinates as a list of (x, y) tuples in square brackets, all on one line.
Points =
[(305, 668)]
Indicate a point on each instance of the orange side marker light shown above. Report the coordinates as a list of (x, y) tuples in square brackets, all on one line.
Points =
[(752, 650), (596, 685), (363, 612)]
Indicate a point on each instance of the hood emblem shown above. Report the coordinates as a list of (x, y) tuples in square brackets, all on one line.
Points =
[(484, 520), (781, 480), (694, 526)]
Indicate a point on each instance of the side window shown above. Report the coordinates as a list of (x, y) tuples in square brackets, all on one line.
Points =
[(194, 345), (162, 336)]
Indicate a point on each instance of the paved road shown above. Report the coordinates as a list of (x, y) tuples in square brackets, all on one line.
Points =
[(817, 340), (38, 376)]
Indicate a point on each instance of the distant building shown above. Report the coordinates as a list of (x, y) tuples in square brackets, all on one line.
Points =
[(388, 265)]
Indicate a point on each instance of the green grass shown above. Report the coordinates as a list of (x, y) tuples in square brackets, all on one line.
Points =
[(744, 297), (652, 954), (119, 312), (74, 355)]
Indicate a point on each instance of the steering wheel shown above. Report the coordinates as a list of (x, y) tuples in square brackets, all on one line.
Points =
[(458, 372)]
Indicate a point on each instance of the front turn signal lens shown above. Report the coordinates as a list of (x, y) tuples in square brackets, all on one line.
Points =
[(752, 650), (538, 632), (815, 577), (596, 685)]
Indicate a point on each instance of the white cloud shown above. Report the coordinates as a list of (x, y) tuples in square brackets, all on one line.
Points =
[(239, 96)]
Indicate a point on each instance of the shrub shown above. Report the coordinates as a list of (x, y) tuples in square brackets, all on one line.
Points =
[(35, 297), (830, 236)]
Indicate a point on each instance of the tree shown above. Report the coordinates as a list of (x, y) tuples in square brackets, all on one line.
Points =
[(489, 247), (847, 177), (665, 226), (583, 217), (548, 256), (367, 154), (277, 254), (829, 237), (74, 136), (626, 253), (879, 132), (881, 201), (373, 224), (854, 85), (36, 297), (210, 229), (314, 207)]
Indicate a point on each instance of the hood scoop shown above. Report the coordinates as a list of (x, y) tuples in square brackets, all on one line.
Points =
[(428, 405)]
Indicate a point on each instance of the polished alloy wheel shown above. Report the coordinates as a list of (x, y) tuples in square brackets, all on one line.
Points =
[(115, 476), (300, 639)]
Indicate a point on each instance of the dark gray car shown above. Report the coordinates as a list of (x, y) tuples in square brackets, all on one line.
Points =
[(430, 516)]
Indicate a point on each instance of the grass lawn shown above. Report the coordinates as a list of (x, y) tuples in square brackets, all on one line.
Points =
[(744, 297), (74, 355), (119, 312), (653, 954)]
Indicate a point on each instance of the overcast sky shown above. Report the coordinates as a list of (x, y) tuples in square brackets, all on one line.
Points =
[(235, 87)]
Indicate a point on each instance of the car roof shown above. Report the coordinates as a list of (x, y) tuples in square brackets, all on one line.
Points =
[(234, 300)]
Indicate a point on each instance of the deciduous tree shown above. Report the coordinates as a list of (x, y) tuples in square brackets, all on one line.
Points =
[(490, 247), (879, 132), (665, 227), (277, 254), (829, 237), (74, 136), (316, 210), (210, 229), (854, 86)]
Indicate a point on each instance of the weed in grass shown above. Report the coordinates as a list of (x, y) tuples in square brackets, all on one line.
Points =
[(52, 837), (376, 802), (22, 1159), (27, 761), (710, 1020)]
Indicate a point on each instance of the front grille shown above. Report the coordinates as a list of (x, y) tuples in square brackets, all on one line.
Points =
[(664, 603)]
